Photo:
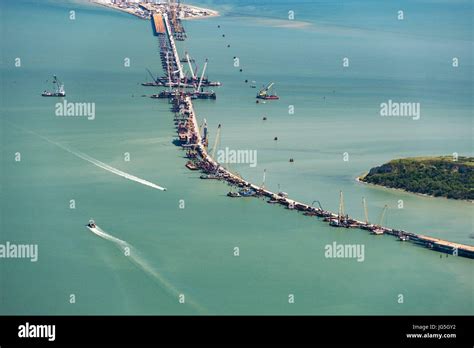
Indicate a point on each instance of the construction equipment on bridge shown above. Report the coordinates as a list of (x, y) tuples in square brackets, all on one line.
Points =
[(378, 229), (342, 219), (177, 28), (364, 203), (216, 141), (190, 66), (203, 131)]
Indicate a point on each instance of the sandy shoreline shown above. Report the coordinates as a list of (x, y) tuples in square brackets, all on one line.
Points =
[(211, 13)]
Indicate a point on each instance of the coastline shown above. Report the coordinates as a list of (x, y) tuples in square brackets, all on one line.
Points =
[(109, 6), (362, 176), (209, 13), (212, 13)]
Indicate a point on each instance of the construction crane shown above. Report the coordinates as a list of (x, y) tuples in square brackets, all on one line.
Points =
[(264, 91), (364, 204), (378, 229), (202, 76), (341, 207), (382, 215), (216, 142), (203, 131), (155, 79), (190, 66), (341, 220)]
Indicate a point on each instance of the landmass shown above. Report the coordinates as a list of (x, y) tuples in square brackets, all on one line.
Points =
[(440, 176), (144, 9)]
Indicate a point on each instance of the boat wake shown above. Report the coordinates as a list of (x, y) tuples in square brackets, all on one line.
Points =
[(110, 168), (134, 256), (98, 163)]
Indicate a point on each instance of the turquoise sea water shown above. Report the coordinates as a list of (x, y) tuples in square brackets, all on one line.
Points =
[(190, 250)]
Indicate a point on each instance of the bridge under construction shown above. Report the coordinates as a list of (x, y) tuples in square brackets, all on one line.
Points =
[(195, 140)]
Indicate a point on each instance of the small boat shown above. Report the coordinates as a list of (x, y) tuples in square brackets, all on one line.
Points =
[(403, 238), (91, 224), (59, 91), (210, 176), (233, 194), (247, 192), (191, 166), (204, 95), (273, 201), (378, 231)]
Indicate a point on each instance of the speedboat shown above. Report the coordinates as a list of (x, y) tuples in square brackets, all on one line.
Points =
[(91, 224)]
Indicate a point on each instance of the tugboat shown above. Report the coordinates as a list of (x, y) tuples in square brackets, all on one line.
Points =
[(403, 238), (264, 93), (59, 92), (191, 166), (210, 176), (247, 192), (91, 224), (378, 231), (273, 200)]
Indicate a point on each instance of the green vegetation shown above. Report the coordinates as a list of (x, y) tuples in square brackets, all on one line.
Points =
[(437, 176)]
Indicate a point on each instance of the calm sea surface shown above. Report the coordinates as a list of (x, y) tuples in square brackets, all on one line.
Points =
[(190, 251)]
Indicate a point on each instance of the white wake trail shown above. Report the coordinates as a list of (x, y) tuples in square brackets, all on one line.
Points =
[(98, 163), (134, 256)]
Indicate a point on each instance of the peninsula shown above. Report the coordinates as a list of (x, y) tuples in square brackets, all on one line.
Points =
[(145, 10), (441, 176)]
